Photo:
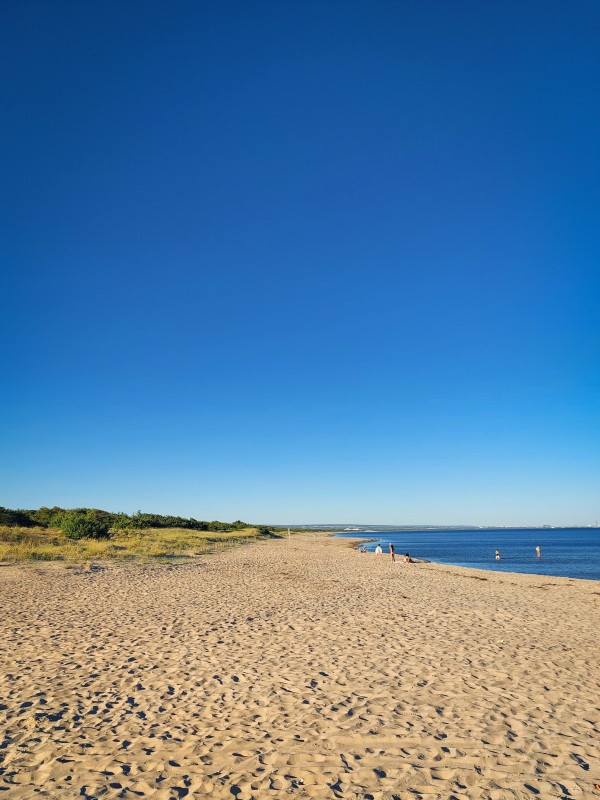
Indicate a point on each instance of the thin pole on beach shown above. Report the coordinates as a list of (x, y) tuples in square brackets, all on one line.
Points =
[(289, 537)]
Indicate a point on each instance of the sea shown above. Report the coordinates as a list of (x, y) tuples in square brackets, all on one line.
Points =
[(565, 552)]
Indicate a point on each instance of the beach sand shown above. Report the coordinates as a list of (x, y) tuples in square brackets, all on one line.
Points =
[(297, 669)]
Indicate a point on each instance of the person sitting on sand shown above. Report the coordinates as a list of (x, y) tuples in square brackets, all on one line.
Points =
[(408, 559), (378, 551)]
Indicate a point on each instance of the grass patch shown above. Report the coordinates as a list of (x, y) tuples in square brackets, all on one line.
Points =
[(49, 544)]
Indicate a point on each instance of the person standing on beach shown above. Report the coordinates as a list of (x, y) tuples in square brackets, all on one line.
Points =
[(378, 551), (392, 552), (538, 551), (497, 555)]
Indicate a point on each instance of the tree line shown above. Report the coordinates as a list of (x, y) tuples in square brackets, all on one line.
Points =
[(106, 520)]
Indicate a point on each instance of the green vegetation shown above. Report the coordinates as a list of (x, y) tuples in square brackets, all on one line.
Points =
[(51, 544), (77, 525), (53, 518), (87, 534)]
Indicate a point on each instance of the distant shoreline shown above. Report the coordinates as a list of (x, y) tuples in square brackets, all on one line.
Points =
[(427, 528)]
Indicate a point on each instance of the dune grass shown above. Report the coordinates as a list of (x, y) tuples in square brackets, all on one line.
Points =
[(49, 544)]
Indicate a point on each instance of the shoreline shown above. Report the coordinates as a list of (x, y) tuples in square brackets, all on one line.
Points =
[(489, 569), (300, 668)]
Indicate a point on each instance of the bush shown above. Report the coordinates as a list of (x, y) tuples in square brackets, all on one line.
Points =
[(265, 530), (20, 519), (77, 525)]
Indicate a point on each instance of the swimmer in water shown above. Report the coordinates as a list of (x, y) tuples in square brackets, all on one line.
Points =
[(538, 551), (497, 555)]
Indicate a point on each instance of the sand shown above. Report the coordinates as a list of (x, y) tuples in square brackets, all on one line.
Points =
[(297, 669)]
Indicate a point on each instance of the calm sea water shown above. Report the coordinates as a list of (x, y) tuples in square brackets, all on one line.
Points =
[(566, 552)]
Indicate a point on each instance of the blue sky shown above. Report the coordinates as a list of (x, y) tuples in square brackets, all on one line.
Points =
[(302, 262)]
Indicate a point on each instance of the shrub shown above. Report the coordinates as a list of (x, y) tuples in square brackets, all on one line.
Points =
[(265, 530), (21, 519), (77, 525)]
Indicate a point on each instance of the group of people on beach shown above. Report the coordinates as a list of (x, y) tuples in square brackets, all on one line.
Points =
[(378, 552), (538, 552), (408, 560)]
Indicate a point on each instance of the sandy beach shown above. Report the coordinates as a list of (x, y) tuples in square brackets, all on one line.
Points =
[(297, 669)]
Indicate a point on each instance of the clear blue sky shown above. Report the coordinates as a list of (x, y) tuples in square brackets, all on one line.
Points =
[(302, 261)]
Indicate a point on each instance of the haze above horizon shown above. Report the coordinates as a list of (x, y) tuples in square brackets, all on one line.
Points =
[(302, 261)]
